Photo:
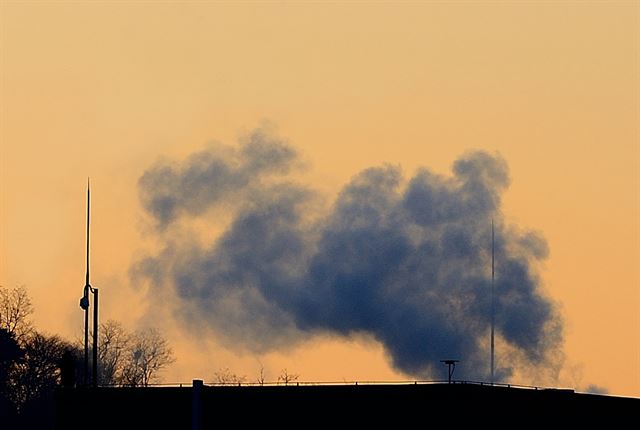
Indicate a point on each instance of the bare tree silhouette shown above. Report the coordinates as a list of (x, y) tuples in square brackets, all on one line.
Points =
[(114, 343), (15, 312), (261, 375), (226, 377), (30, 362), (146, 356), (38, 372), (285, 377)]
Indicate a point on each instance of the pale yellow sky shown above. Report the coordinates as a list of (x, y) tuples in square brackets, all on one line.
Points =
[(103, 89)]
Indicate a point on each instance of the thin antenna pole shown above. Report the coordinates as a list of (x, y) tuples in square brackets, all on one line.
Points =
[(493, 316), (86, 344), (88, 289), (88, 215), (94, 369), (86, 295)]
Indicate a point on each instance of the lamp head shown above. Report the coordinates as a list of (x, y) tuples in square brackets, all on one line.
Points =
[(84, 302)]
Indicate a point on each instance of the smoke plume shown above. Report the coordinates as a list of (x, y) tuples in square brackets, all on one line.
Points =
[(405, 261)]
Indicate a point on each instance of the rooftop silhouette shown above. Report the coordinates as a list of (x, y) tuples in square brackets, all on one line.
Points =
[(300, 405)]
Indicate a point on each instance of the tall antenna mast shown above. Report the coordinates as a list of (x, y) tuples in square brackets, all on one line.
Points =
[(87, 288), (88, 215), (84, 304), (493, 316)]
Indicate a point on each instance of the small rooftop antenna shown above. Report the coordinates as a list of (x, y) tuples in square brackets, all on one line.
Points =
[(493, 307), (451, 364)]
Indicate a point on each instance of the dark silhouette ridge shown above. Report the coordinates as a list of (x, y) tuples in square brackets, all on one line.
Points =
[(333, 405)]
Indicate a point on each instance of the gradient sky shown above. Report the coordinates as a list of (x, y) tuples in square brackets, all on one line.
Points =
[(105, 89)]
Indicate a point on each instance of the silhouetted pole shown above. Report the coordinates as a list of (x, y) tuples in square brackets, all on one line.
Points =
[(84, 304), (196, 404), (493, 310), (87, 286), (85, 380), (95, 338)]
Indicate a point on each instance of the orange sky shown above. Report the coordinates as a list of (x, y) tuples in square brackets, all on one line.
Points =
[(104, 89)]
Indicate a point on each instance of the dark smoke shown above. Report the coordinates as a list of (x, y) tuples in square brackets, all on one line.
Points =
[(207, 178), (406, 262)]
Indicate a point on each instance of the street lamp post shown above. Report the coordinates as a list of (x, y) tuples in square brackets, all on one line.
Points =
[(84, 304)]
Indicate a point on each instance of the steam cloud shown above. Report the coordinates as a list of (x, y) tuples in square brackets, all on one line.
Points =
[(405, 262)]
